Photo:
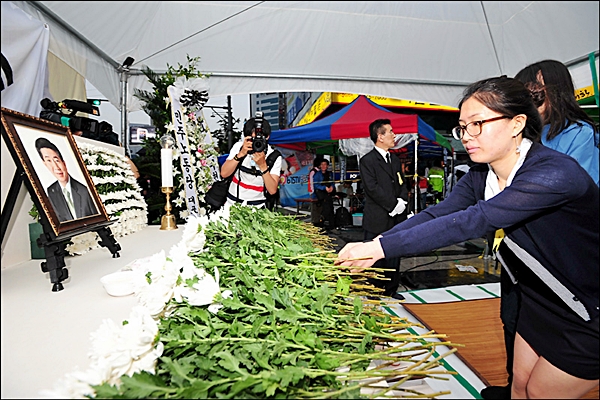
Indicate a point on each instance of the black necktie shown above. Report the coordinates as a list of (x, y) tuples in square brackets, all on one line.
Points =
[(387, 158)]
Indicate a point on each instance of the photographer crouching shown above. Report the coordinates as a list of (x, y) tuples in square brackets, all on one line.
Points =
[(255, 166)]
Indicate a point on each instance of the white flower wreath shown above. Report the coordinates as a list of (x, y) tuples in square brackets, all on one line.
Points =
[(203, 152), (119, 192)]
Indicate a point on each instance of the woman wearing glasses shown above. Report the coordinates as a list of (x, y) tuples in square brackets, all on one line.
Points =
[(548, 207), (567, 129)]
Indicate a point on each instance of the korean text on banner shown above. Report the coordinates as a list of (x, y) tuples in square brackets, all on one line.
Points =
[(191, 197)]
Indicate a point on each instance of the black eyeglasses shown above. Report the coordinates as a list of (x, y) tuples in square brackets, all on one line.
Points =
[(473, 128)]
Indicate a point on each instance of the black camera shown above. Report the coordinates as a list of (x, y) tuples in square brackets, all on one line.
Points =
[(259, 142), (64, 113)]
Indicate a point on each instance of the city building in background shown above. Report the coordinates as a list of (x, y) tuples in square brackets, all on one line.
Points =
[(281, 109), (268, 103)]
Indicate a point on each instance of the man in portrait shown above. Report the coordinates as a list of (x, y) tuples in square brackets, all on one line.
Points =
[(69, 198)]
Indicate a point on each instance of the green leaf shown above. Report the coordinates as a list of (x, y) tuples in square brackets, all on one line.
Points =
[(229, 362), (243, 384), (265, 300), (305, 337), (343, 285), (197, 390), (288, 375), (290, 357), (106, 391), (261, 357), (257, 325), (325, 361), (143, 385), (180, 369), (270, 388), (289, 315), (358, 306), (367, 340)]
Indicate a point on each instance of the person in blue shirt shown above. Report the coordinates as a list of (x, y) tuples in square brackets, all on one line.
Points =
[(567, 128), (548, 207)]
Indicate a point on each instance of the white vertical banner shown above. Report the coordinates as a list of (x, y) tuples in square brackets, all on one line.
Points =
[(191, 195), (24, 60)]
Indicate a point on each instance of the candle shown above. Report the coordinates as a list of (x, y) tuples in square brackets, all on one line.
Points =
[(166, 167)]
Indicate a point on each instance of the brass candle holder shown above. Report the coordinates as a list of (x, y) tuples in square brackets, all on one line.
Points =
[(167, 222)]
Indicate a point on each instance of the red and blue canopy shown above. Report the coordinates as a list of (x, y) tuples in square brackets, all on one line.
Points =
[(351, 122)]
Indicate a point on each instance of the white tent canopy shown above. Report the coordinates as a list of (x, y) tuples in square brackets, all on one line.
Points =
[(417, 50)]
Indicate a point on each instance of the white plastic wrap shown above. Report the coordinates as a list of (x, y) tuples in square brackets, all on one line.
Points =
[(361, 146)]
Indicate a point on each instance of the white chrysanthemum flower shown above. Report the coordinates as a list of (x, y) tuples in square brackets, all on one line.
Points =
[(222, 215), (74, 385), (193, 234), (123, 350), (205, 290), (154, 282)]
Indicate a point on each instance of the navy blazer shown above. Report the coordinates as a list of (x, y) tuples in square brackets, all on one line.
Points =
[(82, 201), (550, 211), (383, 184)]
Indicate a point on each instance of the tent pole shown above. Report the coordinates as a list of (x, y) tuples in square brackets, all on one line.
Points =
[(333, 169), (124, 68), (416, 193), (229, 124), (124, 136)]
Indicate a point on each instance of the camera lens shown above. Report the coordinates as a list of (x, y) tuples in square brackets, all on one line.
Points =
[(259, 144)]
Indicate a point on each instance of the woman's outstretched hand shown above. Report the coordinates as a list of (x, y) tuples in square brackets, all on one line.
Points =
[(360, 255)]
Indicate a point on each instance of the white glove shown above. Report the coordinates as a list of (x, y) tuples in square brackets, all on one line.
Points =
[(401, 206)]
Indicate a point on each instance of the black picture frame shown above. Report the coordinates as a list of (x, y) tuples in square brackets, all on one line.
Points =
[(20, 132)]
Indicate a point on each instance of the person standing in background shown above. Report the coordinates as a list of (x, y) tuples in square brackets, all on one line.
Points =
[(315, 208), (325, 191), (567, 128), (386, 197), (436, 177), (423, 190)]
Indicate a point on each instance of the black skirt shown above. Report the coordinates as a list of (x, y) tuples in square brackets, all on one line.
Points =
[(555, 332)]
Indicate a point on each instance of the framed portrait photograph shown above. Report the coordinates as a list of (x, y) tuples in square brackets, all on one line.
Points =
[(56, 176)]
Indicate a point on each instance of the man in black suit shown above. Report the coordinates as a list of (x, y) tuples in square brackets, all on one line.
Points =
[(386, 197), (70, 198)]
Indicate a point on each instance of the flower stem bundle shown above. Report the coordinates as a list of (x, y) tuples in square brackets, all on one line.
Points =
[(295, 326)]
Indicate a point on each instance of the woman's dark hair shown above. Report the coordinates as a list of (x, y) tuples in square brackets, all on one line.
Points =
[(557, 94), (509, 97)]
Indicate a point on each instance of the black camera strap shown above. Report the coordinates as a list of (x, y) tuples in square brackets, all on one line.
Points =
[(270, 162)]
